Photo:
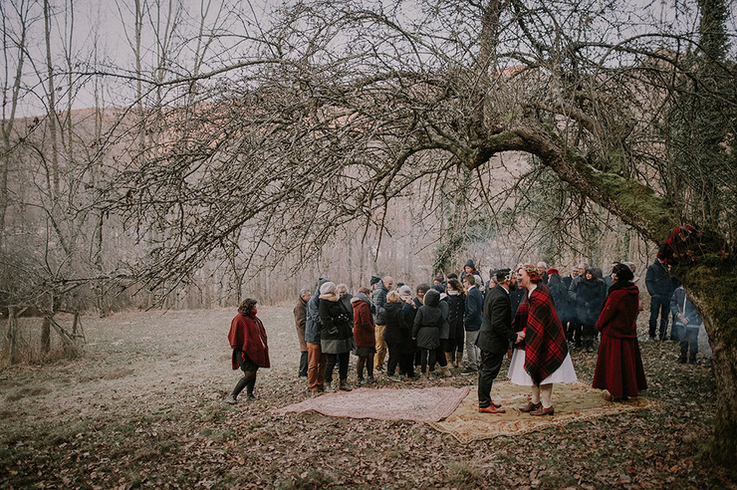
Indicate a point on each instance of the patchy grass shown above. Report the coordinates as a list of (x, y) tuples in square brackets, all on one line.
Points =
[(143, 409)]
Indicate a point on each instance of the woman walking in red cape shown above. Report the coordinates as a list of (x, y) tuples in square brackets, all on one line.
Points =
[(619, 365), (247, 337)]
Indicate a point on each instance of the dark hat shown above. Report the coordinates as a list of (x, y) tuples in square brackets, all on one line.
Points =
[(469, 262), (439, 278), (374, 280), (623, 272)]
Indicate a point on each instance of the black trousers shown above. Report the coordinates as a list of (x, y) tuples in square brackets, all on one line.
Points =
[(342, 368), (427, 359), (395, 358), (491, 363), (440, 353), (303, 365), (660, 305)]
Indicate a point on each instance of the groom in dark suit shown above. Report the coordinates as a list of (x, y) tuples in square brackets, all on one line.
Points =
[(494, 337)]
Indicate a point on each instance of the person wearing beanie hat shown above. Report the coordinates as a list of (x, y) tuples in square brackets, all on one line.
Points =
[(374, 281), (438, 280), (316, 359), (469, 268), (336, 336), (553, 270)]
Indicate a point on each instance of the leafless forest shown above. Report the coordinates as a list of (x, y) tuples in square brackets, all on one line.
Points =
[(185, 153)]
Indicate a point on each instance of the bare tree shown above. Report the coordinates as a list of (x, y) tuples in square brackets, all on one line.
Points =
[(338, 109)]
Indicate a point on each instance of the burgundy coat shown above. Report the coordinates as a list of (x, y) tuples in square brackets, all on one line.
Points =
[(619, 365), (545, 342), (364, 329), (247, 333), (617, 318)]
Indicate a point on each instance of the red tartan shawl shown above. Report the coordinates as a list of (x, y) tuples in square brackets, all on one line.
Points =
[(545, 342), (247, 333)]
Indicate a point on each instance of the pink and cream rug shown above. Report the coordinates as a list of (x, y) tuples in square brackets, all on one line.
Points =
[(573, 402), (419, 405)]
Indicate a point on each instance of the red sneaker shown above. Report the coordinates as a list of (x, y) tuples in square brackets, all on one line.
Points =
[(492, 409)]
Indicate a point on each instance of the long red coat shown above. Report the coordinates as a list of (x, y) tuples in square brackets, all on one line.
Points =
[(619, 366), (247, 333), (364, 329)]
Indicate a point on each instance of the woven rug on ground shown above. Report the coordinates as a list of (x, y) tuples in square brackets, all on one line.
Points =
[(573, 402), (419, 405)]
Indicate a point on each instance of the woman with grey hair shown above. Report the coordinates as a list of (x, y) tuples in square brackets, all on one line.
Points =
[(336, 336)]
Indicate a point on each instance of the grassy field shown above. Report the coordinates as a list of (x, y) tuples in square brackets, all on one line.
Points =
[(142, 408)]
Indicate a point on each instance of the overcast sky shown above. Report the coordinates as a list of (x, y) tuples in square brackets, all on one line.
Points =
[(102, 33)]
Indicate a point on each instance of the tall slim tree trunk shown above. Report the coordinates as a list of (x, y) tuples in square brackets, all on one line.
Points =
[(12, 333), (52, 105), (46, 334)]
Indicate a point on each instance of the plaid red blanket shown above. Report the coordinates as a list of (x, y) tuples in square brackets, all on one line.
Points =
[(545, 342)]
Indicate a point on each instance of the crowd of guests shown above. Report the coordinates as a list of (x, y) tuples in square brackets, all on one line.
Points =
[(529, 313)]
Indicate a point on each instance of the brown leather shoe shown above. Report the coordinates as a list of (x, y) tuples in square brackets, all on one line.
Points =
[(492, 409), (531, 406), (543, 411), (496, 405)]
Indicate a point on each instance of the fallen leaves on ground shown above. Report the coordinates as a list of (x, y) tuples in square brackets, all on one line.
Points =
[(143, 409)]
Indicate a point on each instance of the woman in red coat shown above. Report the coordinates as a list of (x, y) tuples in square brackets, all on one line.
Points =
[(364, 333), (247, 337), (619, 366)]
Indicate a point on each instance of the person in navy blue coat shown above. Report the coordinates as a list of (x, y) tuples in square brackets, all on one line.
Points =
[(472, 322)]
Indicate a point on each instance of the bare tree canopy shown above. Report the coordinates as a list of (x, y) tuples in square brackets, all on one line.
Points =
[(248, 138)]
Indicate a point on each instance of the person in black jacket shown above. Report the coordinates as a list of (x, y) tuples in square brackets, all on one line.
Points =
[(426, 331), (590, 297), (660, 287), (336, 334), (456, 311), (472, 322), (494, 337), (398, 336)]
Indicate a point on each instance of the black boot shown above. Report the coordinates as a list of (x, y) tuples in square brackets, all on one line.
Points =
[(692, 359), (682, 358)]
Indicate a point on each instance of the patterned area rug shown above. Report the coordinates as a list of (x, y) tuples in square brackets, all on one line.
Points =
[(419, 405), (573, 402)]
